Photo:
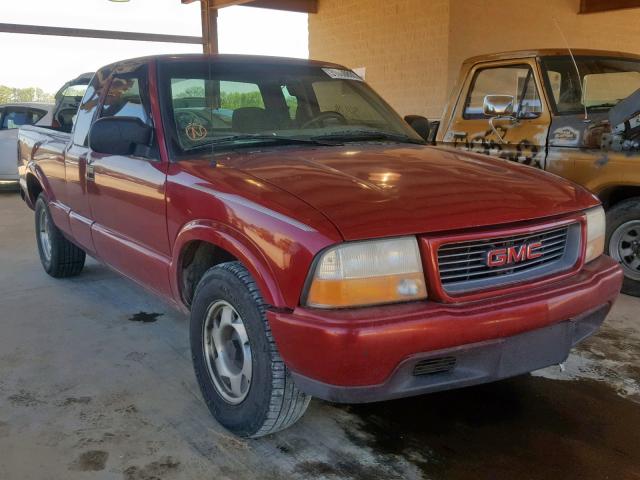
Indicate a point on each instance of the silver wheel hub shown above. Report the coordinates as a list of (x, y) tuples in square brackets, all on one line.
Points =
[(44, 231), (227, 352), (625, 248)]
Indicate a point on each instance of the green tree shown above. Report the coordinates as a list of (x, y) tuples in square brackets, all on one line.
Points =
[(6, 94), (235, 100), (18, 95)]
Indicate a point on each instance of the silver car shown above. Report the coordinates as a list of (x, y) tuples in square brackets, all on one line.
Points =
[(13, 116)]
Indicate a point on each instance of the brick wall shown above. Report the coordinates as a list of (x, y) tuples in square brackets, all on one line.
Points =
[(412, 49), (522, 24), (402, 44)]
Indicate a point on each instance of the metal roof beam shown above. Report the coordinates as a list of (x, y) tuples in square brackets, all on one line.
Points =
[(595, 6), (304, 6), (106, 34)]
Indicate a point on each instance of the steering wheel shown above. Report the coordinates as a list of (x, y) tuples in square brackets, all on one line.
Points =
[(321, 117)]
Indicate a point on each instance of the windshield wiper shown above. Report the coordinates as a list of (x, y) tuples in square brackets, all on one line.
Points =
[(259, 138), (355, 135)]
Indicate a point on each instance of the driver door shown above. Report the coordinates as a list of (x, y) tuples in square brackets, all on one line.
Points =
[(127, 193), (522, 139)]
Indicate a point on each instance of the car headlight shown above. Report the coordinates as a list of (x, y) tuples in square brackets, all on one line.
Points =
[(368, 273), (596, 229)]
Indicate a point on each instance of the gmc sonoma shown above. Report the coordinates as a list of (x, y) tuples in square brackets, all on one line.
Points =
[(321, 248)]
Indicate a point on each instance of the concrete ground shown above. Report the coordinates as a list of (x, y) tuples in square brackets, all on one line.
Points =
[(88, 390)]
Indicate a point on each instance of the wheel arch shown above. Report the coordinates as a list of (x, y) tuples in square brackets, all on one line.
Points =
[(36, 183), (209, 244), (613, 195)]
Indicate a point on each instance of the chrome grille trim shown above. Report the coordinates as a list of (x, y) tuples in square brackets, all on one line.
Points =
[(463, 265)]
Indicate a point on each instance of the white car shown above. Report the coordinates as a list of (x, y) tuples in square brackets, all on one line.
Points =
[(13, 116)]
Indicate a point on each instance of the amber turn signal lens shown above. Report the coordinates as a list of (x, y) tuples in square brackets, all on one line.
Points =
[(367, 291)]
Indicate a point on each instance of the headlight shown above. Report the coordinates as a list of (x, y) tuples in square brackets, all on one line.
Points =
[(596, 228), (368, 273)]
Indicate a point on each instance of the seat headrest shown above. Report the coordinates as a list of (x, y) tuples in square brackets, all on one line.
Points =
[(251, 120)]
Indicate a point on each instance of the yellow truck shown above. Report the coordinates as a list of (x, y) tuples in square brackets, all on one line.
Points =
[(575, 114)]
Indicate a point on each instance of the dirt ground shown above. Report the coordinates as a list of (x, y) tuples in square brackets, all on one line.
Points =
[(96, 382)]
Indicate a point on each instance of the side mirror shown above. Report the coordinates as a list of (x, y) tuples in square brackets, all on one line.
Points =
[(419, 124), (498, 105), (120, 136)]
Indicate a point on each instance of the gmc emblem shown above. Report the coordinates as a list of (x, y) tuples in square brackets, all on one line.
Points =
[(508, 255)]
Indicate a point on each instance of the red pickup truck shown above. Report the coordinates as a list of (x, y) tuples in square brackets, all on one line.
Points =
[(321, 248)]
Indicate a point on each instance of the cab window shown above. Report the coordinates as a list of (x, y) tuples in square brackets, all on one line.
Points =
[(85, 114), (291, 101), (514, 80), (205, 105), (343, 98), (597, 84), (17, 117), (124, 99), (235, 95), (128, 96)]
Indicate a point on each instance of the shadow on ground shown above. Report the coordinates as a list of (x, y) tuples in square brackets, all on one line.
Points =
[(527, 427)]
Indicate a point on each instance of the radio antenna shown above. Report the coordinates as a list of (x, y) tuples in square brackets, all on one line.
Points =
[(575, 64)]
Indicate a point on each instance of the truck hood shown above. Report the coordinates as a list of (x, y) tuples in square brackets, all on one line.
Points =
[(370, 191)]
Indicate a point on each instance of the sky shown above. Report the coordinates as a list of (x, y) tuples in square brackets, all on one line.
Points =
[(48, 62)]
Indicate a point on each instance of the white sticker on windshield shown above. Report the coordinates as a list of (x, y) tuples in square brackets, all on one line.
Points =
[(342, 74)]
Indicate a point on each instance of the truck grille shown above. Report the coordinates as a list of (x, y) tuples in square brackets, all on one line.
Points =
[(464, 266)]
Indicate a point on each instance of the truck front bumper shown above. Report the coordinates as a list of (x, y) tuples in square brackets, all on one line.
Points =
[(380, 353)]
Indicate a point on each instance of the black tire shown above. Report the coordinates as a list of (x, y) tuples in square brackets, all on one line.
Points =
[(620, 217), (64, 259), (272, 400)]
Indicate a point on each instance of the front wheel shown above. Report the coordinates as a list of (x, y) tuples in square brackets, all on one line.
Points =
[(623, 242), (59, 257), (243, 380)]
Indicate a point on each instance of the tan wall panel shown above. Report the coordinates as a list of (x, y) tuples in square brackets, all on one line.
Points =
[(500, 25), (402, 44), (412, 49)]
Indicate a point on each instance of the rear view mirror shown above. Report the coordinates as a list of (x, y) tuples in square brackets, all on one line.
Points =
[(120, 136), (419, 124), (498, 105)]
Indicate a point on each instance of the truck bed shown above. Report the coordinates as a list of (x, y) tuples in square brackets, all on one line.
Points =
[(39, 142)]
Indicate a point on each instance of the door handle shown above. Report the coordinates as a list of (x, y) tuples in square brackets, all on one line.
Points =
[(91, 174)]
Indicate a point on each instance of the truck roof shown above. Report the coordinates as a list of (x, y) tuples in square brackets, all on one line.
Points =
[(229, 58), (547, 52)]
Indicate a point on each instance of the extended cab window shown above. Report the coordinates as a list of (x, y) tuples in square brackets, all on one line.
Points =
[(514, 80)]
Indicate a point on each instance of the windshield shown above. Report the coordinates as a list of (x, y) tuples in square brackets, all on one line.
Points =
[(603, 82), (238, 104)]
